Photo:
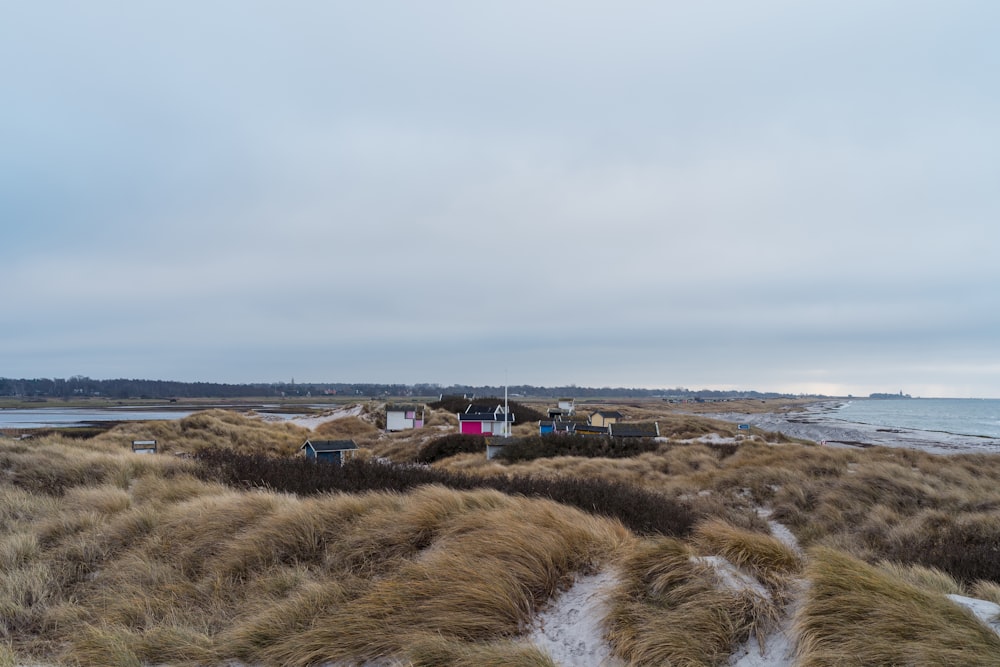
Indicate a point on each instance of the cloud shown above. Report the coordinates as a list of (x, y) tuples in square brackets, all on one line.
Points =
[(770, 196)]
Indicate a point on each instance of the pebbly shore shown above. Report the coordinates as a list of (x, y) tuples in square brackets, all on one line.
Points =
[(820, 423)]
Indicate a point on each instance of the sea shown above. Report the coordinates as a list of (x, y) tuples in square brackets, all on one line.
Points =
[(938, 425), (949, 416)]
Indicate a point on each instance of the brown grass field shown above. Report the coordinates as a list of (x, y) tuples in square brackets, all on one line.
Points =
[(113, 558)]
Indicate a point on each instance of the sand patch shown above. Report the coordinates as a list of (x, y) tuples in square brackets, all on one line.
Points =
[(571, 628)]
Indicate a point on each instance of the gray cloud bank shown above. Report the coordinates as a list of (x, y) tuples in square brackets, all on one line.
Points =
[(769, 196)]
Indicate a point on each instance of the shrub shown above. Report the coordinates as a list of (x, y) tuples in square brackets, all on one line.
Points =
[(449, 445), (966, 546), (645, 512), (551, 444)]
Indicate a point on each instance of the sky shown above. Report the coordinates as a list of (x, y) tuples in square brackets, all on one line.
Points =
[(772, 196)]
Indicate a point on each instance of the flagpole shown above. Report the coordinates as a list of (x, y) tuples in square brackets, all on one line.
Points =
[(506, 408)]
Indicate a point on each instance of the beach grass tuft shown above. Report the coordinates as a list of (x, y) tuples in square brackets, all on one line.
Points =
[(672, 609), (858, 614), (767, 559)]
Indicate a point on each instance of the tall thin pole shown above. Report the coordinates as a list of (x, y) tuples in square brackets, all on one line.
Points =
[(506, 408)]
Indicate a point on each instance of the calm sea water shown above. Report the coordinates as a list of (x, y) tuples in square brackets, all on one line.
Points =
[(950, 416)]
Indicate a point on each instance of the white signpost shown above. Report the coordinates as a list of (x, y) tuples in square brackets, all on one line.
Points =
[(144, 446)]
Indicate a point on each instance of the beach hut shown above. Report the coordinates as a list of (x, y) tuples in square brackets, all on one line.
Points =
[(556, 426), (494, 446), (587, 429), (485, 420), (403, 417), (329, 451), (605, 417), (644, 430)]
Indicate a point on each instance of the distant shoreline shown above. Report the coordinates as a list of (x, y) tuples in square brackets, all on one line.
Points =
[(819, 422)]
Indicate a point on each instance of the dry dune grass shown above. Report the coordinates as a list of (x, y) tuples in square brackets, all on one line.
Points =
[(856, 614), (152, 573), (440, 419), (986, 590), (651, 470), (405, 446), (686, 427), (431, 650), (925, 578), (53, 465), (672, 609), (503, 557), (764, 557), (212, 428), (107, 557), (8, 658), (877, 503), (346, 427)]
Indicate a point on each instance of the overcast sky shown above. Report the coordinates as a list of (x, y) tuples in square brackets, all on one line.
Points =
[(770, 195)]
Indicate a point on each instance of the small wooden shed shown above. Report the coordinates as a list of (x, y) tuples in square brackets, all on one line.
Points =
[(403, 417), (329, 451), (485, 420), (605, 418), (588, 429), (638, 430), (567, 405), (495, 445), (556, 426)]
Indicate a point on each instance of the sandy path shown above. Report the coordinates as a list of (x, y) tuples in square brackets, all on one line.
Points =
[(570, 629)]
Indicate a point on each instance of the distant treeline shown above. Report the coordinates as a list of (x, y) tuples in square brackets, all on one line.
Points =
[(81, 386)]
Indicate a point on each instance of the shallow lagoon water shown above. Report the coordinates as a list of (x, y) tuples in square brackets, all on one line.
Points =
[(25, 418)]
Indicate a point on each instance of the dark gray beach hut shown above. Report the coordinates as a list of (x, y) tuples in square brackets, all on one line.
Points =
[(642, 430), (329, 451)]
